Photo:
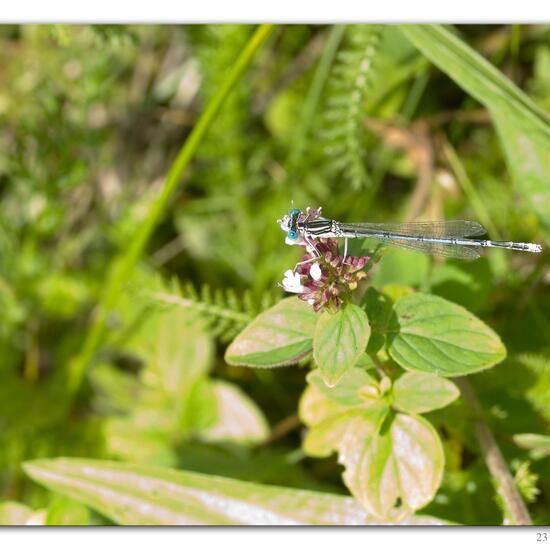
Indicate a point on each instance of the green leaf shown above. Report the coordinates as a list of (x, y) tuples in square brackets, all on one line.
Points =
[(442, 338), (469, 284), (143, 495), (314, 406), (403, 267), (238, 418), (174, 363), (405, 461), (340, 339), (538, 444), (523, 127), (418, 392), (349, 432), (282, 335), (128, 439), (347, 391), (15, 513), (393, 463), (529, 163), (64, 511), (381, 317)]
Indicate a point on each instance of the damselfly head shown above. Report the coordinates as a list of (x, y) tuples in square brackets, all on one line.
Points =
[(289, 224), (284, 223)]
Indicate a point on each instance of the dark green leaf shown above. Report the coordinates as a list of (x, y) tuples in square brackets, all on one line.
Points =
[(442, 338), (381, 317)]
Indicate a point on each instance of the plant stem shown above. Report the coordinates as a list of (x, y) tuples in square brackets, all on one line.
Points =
[(515, 508), (122, 267)]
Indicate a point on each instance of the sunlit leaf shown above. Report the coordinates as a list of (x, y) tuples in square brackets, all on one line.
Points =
[(143, 495), (418, 392), (349, 432), (538, 444), (393, 462), (14, 513), (282, 335), (340, 339), (127, 439), (442, 338), (347, 391), (400, 469), (176, 349), (64, 511), (315, 406), (238, 418)]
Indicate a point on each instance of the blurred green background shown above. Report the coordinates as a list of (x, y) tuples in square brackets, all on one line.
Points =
[(354, 119)]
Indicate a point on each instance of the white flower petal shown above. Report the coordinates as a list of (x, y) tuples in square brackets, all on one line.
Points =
[(315, 271), (292, 282)]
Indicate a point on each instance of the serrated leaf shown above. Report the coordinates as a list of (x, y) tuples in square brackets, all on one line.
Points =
[(442, 338), (418, 392), (280, 336), (339, 341), (142, 495), (238, 418)]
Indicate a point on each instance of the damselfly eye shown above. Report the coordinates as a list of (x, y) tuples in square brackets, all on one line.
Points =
[(292, 235), (295, 212)]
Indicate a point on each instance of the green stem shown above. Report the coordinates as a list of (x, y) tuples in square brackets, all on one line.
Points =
[(122, 268)]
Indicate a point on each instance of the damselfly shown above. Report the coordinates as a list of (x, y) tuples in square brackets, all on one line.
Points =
[(444, 238)]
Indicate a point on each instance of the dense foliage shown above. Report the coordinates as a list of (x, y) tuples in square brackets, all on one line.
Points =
[(137, 332)]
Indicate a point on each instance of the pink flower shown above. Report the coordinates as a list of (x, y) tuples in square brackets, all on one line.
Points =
[(327, 280)]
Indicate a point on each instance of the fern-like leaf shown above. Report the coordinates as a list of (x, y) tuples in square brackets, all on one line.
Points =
[(349, 83), (225, 312), (526, 482)]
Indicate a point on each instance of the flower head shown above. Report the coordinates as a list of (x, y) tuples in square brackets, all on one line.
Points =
[(323, 278)]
